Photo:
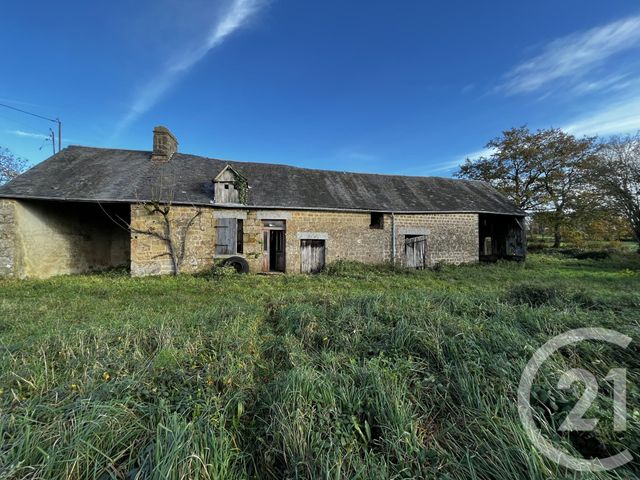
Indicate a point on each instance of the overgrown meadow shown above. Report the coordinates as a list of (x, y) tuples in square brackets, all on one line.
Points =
[(359, 372)]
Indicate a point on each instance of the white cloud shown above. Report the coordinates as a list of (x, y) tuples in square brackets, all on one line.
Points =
[(620, 117), (455, 163), (573, 56), (446, 167), (237, 15), (468, 88), (610, 83), (21, 133)]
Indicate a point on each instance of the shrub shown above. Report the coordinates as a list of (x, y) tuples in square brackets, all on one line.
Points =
[(218, 271)]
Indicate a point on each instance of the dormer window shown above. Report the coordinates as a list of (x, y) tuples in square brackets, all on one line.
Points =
[(230, 187)]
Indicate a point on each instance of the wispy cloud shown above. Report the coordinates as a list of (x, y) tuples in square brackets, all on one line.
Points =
[(355, 155), (468, 88), (571, 57), (448, 167), (237, 15), (610, 83), (21, 133), (452, 165), (620, 117)]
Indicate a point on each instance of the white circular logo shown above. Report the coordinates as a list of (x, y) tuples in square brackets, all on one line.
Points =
[(574, 421)]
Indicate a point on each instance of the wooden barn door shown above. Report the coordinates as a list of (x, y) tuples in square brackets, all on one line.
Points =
[(312, 255), (415, 251)]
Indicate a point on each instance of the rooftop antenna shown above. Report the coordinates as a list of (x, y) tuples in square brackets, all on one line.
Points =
[(54, 120), (53, 141)]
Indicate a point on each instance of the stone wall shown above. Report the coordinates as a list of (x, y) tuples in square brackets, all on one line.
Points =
[(41, 239), (8, 251), (348, 237), (451, 238), (149, 254)]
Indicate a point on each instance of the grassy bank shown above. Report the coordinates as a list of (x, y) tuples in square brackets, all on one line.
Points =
[(355, 373)]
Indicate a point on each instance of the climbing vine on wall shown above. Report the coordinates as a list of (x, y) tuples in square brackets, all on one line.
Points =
[(242, 187)]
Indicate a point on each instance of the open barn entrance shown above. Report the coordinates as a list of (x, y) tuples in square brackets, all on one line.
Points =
[(58, 238), (501, 237)]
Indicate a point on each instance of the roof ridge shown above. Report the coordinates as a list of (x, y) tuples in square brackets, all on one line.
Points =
[(94, 173), (270, 164)]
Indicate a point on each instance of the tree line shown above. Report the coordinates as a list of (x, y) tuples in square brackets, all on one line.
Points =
[(567, 185)]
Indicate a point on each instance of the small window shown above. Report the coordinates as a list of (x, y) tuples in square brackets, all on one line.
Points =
[(240, 235), (377, 220), (226, 186)]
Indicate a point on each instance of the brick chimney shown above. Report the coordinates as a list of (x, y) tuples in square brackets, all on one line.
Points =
[(164, 144)]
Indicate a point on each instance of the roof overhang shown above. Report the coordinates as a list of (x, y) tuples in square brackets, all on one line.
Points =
[(133, 201)]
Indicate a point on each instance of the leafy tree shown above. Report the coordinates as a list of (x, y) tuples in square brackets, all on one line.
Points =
[(542, 171), (513, 168), (566, 160), (616, 172), (10, 165)]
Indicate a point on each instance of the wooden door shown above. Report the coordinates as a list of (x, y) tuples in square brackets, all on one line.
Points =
[(415, 251), (274, 257), (312, 256), (265, 250), (278, 258)]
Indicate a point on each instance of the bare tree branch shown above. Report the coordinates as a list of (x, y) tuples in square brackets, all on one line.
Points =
[(11, 165)]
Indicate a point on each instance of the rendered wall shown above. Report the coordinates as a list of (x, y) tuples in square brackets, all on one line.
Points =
[(42, 239)]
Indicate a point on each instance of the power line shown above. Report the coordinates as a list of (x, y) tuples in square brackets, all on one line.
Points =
[(56, 120), (28, 113)]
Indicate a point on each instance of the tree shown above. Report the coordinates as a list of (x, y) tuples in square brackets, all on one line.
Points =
[(169, 225), (616, 173), (540, 171), (566, 160), (10, 165), (513, 168), (173, 233)]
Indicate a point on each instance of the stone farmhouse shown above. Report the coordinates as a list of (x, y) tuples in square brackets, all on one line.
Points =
[(87, 209)]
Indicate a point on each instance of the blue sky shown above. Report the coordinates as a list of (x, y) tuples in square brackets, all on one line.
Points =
[(409, 87)]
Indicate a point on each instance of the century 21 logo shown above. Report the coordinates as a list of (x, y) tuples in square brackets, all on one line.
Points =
[(575, 421)]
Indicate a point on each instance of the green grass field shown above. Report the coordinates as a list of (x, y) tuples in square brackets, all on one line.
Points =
[(359, 372)]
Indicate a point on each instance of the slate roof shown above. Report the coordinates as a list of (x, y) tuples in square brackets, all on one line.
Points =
[(109, 175)]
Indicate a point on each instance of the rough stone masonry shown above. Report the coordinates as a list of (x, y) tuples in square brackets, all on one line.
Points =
[(86, 209)]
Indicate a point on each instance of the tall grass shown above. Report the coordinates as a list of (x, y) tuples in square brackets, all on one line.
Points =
[(357, 373)]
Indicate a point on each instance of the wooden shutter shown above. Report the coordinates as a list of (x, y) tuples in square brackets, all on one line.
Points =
[(226, 236)]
